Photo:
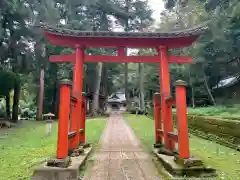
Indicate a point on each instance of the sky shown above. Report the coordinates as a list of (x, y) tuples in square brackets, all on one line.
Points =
[(158, 7)]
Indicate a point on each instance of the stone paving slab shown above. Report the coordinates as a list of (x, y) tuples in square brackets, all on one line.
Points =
[(121, 156)]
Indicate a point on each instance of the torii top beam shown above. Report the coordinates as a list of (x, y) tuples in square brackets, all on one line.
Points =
[(73, 38)]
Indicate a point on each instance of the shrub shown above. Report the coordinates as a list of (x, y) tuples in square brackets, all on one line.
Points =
[(7, 81), (27, 109)]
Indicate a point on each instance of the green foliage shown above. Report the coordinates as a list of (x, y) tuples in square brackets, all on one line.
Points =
[(226, 112), (2, 107), (24, 50), (27, 109), (208, 4), (7, 82), (215, 54)]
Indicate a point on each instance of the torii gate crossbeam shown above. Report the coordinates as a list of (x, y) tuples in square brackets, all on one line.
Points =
[(118, 59)]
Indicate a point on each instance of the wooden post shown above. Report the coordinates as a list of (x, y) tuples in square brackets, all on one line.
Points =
[(83, 120), (157, 118), (77, 92), (166, 111), (181, 107), (64, 110)]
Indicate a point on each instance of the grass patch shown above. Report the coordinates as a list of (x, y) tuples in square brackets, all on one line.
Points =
[(225, 160), (228, 112), (23, 147), (94, 129)]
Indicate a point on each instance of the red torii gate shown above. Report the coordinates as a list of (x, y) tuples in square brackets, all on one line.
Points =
[(81, 40)]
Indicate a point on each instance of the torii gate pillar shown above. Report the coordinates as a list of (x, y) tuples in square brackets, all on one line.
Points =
[(76, 121), (165, 92)]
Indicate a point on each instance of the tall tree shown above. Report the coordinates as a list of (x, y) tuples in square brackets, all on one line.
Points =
[(140, 18), (14, 34), (141, 75), (40, 96)]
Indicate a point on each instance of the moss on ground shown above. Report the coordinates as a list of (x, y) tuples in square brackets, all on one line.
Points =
[(23, 147), (225, 160)]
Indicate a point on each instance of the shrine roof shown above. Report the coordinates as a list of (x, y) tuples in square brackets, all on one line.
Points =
[(76, 33), (69, 37)]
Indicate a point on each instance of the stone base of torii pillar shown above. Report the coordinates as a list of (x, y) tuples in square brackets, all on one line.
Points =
[(177, 161), (45, 172), (177, 167)]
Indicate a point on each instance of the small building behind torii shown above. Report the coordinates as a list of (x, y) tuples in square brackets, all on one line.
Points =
[(116, 101)]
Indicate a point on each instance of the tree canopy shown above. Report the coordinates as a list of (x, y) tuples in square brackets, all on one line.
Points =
[(25, 52)]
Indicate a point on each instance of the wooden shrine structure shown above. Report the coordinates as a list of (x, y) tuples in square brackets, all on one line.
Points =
[(163, 101)]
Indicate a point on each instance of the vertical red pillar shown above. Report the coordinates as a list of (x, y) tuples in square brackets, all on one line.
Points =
[(64, 110), (166, 111), (76, 119), (83, 120), (182, 124), (157, 118)]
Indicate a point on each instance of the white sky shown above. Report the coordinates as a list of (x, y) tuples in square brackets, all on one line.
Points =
[(158, 7)]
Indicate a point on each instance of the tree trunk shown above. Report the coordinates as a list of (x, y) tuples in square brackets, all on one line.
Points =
[(208, 90), (141, 75), (127, 2), (97, 89), (40, 96), (192, 88), (105, 85), (16, 97), (8, 106), (193, 97), (54, 103), (126, 83)]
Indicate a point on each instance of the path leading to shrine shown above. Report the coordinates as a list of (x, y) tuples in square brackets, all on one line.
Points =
[(120, 156)]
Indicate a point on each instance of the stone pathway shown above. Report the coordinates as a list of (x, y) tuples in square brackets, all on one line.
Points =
[(120, 156)]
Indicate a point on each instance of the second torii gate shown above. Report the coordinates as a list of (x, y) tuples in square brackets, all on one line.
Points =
[(81, 40)]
